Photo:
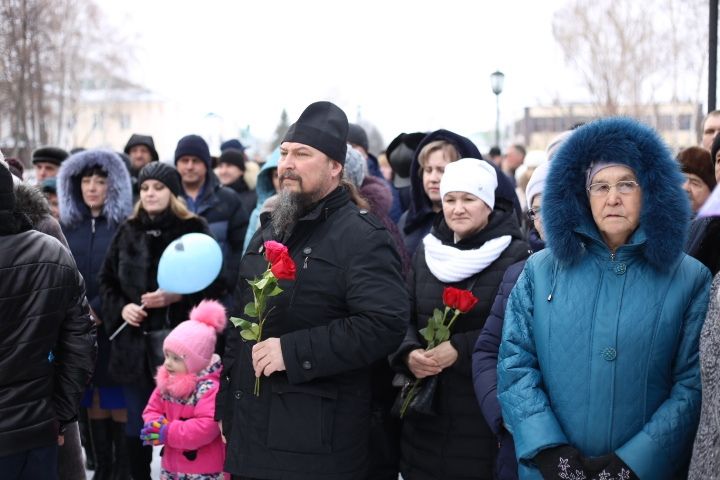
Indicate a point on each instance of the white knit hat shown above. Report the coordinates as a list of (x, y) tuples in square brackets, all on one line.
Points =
[(536, 184), (470, 175)]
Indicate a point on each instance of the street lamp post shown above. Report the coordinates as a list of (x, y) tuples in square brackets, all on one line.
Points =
[(496, 82)]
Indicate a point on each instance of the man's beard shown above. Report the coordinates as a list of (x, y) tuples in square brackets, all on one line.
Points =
[(288, 210)]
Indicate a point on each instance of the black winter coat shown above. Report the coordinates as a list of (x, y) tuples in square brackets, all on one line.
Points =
[(456, 443), (346, 309), (223, 211), (703, 240), (47, 339), (484, 363), (129, 271), (89, 242), (248, 198)]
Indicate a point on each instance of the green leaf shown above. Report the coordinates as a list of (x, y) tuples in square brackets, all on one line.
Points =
[(262, 282), (255, 328), (237, 321), (438, 317), (250, 310), (443, 333), (248, 335), (428, 332), (245, 325), (276, 291)]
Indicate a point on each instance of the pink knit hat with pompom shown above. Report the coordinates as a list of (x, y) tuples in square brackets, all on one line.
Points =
[(194, 339)]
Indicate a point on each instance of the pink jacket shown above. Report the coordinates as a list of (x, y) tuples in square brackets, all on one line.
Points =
[(192, 426)]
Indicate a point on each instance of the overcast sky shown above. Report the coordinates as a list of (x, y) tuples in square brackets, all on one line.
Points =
[(402, 65)]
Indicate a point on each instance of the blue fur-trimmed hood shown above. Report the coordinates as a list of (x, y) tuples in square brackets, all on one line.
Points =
[(118, 202), (665, 213)]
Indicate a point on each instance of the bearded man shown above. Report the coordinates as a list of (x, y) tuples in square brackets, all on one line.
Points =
[(346, 308)]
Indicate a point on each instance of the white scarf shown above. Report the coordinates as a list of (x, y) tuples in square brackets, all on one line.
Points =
[(450, 264)]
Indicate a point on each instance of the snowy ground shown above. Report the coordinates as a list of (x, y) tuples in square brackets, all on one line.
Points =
[(155, 466)]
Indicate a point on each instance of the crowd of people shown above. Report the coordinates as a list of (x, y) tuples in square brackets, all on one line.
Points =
[(590, 349)]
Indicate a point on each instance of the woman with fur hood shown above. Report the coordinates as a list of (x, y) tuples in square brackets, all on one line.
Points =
[(95, 197), (598, 373), (130, 294)]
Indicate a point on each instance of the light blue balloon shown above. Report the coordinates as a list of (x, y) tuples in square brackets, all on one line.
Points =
[(189, 264)]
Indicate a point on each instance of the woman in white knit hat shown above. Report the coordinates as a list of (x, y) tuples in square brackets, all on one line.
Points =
[(469, 247)]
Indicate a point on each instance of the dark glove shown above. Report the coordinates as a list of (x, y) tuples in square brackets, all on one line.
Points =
[(563, 462), (608, 467)]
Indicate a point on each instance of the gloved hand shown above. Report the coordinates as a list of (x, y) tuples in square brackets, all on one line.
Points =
[(609, 467), (560, 462), (155, 432)]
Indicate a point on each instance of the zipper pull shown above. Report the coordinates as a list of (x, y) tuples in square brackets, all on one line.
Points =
[(93, 225), (612, 256), (305, 263)]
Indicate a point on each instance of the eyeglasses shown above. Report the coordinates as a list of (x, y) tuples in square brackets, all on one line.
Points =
[(534, 213), (623, 187)]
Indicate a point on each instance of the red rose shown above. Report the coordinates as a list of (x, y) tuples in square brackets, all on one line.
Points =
[(458, 299), (283, 267), (274, 250), (450, 296), (466, 301)]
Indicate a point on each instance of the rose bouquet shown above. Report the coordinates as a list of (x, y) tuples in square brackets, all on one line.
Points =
[(439, 327), (280, 267)]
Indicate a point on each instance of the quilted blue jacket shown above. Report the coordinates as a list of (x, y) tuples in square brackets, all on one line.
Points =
[(600, 350)]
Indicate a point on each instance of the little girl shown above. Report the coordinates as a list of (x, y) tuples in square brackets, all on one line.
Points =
[(180, 412)]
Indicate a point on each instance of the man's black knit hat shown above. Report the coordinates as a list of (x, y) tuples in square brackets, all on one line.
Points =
[(324, 126)]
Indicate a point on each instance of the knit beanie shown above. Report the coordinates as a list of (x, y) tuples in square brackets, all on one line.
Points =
[(194, 146), (233, 156), (162, 173), (146, 140), (232, 143), (470, 175), (355, 167), (49, 185), (7, 189), (52, 155), (595, 167), (357, 136), (697, 160), (536, 184), (557, 142), (194, 339), (324, 126)]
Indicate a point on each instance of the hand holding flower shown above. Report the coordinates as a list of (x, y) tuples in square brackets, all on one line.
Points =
[(267, 357), (444, 355), (440, 353), (421, 365)]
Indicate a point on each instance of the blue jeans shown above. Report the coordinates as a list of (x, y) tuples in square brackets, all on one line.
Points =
[(31, 464)]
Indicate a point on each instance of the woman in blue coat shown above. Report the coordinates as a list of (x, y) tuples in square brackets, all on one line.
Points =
[(598, 373), (95, 196)]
